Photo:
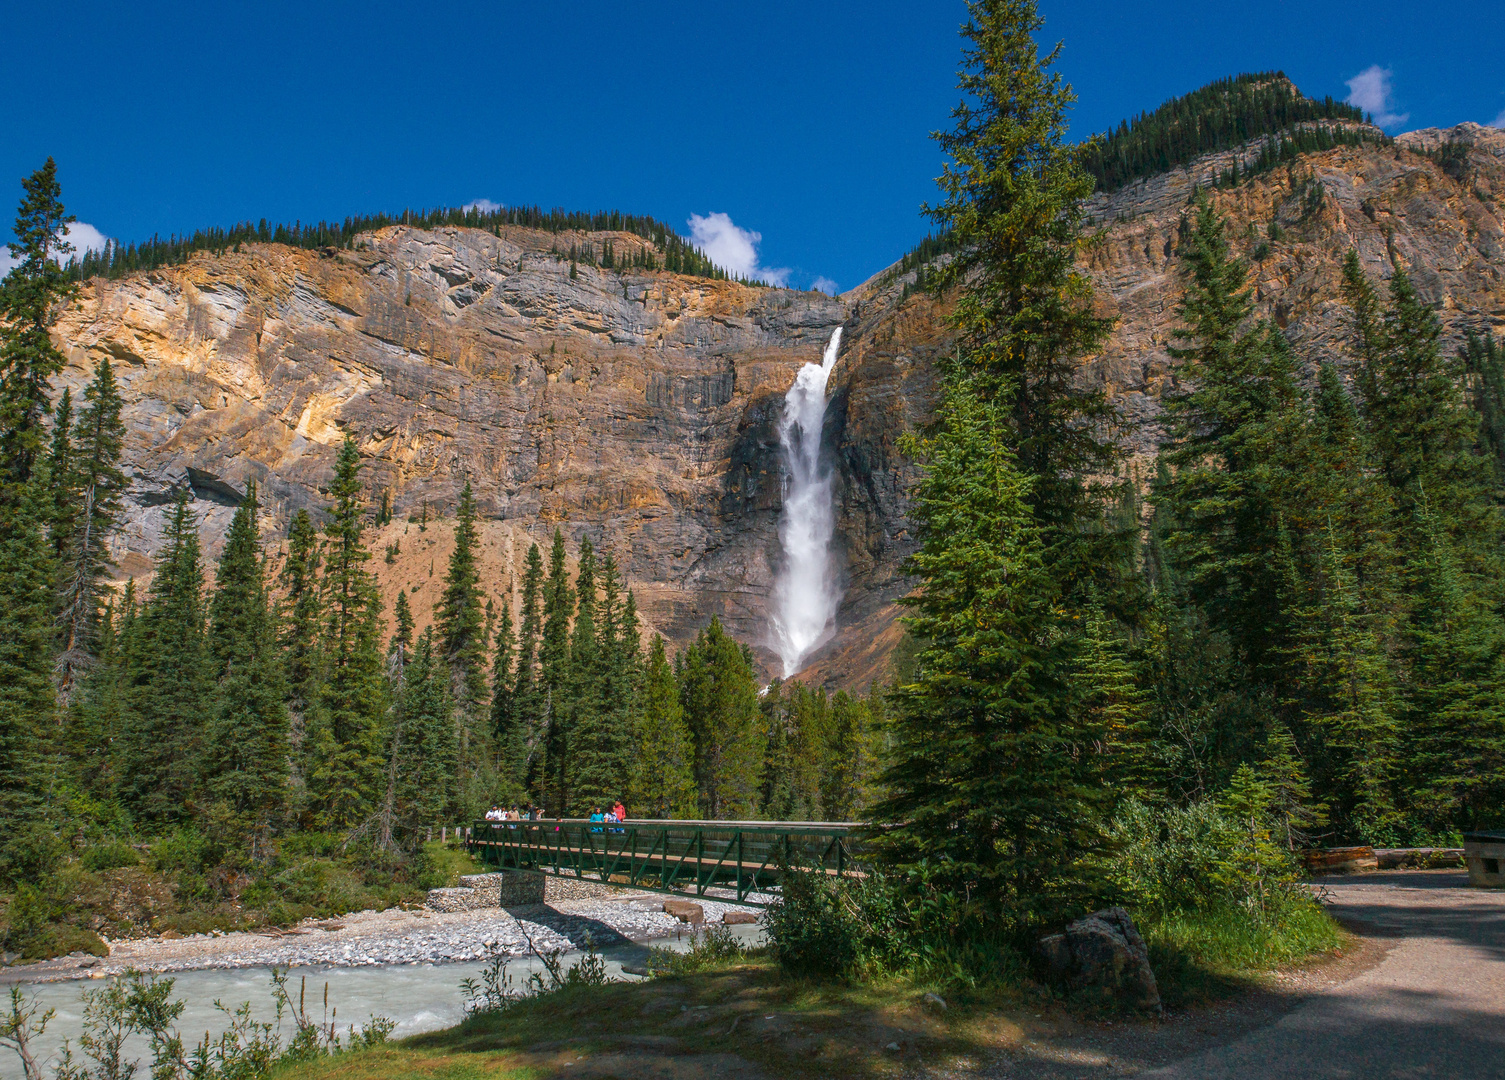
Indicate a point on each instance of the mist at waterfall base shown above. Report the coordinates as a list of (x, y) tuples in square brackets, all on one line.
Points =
[(805, 593)]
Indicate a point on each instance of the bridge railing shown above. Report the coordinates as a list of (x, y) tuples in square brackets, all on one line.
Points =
[(746, 857)]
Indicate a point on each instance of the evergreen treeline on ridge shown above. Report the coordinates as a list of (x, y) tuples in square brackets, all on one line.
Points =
[(1219, 116), (679, 255)]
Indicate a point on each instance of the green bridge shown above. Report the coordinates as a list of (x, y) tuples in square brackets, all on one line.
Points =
[(744, 858)]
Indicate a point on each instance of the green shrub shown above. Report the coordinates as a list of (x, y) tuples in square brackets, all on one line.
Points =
[(1197, 858), (108, 854), (322, 885), (30, 853), (709, 948)]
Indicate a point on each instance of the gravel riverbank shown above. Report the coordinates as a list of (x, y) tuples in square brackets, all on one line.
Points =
[(394, 936)]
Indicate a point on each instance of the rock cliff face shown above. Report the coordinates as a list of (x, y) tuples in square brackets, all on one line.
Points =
[(640, 408)]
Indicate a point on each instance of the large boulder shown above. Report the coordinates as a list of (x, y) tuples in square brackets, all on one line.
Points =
[(1102, 951)]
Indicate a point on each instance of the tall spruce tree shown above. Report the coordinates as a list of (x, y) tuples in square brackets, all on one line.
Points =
[(348, 739), (1012, 193), (246, 758), (1229, 434), (554, 679), (170, 691), (460, 627), (84, 554), (60, 467), (27, 700), (663, 760), (527, 695), (996, 781), (509, 735), (31, 295), (719, 696), (300, 612)]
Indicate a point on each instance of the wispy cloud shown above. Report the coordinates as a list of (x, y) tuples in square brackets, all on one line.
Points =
[(1498, 121), (733, 249), (825, 285), (1370, 90), (485, 206), (82, 236)]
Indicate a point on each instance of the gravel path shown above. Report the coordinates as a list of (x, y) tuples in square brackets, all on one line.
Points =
[(394, 936), (1434, 1007)]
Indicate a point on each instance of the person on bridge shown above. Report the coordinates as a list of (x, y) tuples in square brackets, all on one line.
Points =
[(495, 813), (596, 816), (620, 811)]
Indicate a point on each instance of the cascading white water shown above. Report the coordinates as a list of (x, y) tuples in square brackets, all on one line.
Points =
[(805, 595)]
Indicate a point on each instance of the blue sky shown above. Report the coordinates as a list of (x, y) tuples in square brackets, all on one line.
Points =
[(805, 123)]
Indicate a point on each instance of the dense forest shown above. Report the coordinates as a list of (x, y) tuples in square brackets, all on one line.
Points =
[(678, 255), (280, 728), (1220, 116)]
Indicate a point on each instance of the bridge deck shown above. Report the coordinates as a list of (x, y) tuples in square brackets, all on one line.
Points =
[(746, 857)]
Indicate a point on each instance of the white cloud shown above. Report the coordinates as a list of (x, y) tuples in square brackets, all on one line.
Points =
[(82, 236), (485, 206), (825, 285), (1370, 90), (1498, 121), (734, 250)]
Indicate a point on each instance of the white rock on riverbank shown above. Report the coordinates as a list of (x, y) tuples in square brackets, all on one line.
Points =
[(394, 936)]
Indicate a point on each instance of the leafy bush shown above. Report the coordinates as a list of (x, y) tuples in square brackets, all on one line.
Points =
[(498, 991), (1197, 858), (322, 884), (709, 948), (108, 854), (30, 853)]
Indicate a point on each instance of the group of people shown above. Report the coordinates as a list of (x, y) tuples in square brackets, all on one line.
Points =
[(497, 815)]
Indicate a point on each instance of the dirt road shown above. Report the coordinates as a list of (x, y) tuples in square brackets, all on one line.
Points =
[(1434, 1007)]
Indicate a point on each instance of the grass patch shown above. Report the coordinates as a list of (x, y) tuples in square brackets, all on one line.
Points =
[(448, 864), (1207, 955), (701, 1024)]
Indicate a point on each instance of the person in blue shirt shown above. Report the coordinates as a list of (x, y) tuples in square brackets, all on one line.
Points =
[(596, 815)]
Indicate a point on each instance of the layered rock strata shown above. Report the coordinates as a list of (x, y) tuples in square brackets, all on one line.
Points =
[(640, 408)]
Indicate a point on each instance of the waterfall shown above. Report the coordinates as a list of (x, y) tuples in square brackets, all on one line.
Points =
[(805, 595)]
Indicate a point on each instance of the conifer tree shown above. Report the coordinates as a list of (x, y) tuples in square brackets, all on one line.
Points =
[(459, 625), (554, 679), (995, 780), (30, 297), (662, 777), (527, 696), (1424, 435), (170, 689), (300, 620), (509, 732), (1012, 192), (1455, 730), (428, 754), (247, 749), (851, 763), (84, 554), (60, 467), (347, 744), (597, 726), (399, 655), (719, 696), (1484, 361), (97, 711), (1230, 433), (401, 644), (27, 700)]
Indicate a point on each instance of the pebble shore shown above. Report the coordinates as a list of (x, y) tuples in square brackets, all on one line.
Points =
[(394, 936)]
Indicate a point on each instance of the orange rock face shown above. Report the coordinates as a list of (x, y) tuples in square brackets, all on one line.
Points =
[(640, 409)]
